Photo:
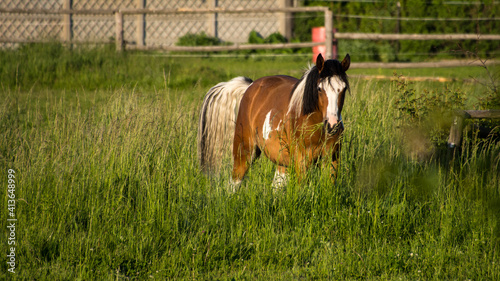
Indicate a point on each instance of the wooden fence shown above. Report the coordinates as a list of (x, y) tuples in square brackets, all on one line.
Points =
[(122, 44), (140, 13)]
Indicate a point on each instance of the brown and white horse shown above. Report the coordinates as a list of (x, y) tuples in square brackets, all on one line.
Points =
[(293, 122)]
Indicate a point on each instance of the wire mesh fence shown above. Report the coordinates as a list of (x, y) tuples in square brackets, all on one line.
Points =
[(17, 26)]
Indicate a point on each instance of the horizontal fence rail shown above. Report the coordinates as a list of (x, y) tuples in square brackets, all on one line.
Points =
[(430, 64), (234, 47), (162, 11), (379, 36)]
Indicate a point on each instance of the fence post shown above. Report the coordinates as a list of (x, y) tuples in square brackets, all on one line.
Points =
[(67, 22), (329, 33), (334, 45), (139, 22), (286, 19), (119, 30), (456, 132), (212, 19), (456, 129), (398, 27)]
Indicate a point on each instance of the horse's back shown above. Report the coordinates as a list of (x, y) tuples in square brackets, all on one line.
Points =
[(267, 93), (271, 85)]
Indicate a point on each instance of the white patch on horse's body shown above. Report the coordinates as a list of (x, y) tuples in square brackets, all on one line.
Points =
[(267, 127), (332, 86), (279, 180)]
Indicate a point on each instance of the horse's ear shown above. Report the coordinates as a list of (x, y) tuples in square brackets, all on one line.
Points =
[(320, 62), (346, 62)]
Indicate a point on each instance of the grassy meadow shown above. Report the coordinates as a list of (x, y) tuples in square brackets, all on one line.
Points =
[(103, 146)]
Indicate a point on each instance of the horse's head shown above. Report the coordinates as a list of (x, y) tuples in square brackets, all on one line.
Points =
[(332, 84), (322, 88)]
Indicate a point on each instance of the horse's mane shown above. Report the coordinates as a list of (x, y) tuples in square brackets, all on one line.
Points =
[(304, 95)]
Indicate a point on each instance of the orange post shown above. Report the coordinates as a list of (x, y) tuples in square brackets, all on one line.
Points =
[(319, 35)]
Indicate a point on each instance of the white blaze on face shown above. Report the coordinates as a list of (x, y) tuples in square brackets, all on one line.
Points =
[(267, 128), (332, 86)]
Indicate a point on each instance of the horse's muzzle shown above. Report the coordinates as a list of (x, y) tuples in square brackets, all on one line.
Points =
[(333, 130)]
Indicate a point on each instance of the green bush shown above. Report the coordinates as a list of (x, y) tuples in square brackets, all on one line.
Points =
[(275, 38), (199, 39), (429, 112), (255, 38)]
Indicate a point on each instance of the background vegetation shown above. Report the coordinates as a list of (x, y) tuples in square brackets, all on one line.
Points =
[(358, 16), (108, 185), (431, 13), (416, 17)]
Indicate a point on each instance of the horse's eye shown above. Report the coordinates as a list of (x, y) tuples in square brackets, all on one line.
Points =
[(319, 89)]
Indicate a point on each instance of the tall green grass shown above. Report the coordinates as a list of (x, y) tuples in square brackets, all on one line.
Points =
[(109, 188)]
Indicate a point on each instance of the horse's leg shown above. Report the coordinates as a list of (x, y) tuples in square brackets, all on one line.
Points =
[(302, 162), (280, 178), (244, 152)]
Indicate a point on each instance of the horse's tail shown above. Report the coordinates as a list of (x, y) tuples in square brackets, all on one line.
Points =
[(217, 121)]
